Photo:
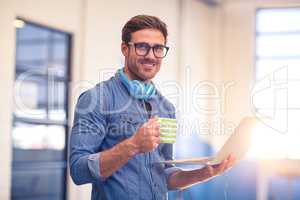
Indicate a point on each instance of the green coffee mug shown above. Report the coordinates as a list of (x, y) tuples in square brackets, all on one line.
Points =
[(168, 130)]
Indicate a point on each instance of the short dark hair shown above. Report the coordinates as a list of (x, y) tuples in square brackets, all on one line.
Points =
[(140, 22)]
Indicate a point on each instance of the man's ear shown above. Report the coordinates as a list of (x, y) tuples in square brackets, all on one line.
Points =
[(124, 49)]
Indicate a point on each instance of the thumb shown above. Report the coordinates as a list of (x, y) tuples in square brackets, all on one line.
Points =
[(153, 118)]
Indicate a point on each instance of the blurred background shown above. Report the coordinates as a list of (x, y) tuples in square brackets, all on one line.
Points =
[(228, 59)]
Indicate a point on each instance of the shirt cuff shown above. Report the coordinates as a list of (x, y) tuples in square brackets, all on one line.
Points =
[(171, 170), (94, 166)]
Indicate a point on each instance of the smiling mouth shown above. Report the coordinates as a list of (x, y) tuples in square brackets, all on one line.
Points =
[(149, 64)]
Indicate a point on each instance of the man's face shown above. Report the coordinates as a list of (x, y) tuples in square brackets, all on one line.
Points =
[(142, 67)]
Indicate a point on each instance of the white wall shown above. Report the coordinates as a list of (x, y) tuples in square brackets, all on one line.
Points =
[(6, 77), (104, 22), (50, 13)]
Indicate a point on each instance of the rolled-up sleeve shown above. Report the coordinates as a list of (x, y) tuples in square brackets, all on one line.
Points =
[(94, 166), (170, 170), (87, 135)]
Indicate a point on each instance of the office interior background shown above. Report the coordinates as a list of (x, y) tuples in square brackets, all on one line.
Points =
[(221, 51)]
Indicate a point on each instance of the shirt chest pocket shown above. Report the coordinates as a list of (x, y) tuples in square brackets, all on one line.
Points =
[(123, 126)]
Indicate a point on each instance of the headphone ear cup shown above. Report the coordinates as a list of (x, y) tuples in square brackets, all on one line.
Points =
[(137, 88), (149, 89)]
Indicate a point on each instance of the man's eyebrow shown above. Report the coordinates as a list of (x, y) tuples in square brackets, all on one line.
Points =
[(159, 45), (154, 44)]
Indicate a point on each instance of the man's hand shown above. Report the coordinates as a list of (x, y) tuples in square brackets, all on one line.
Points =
[(144, 140), (147, 137), (184, 179), (214, 170)]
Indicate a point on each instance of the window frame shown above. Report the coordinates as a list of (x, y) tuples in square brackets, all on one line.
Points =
[(66, 79)]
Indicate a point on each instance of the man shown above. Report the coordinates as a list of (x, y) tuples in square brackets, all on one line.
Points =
[(115, 143)]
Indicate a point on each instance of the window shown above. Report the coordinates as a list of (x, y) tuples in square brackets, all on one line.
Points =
[(278, 63), (39, 133)]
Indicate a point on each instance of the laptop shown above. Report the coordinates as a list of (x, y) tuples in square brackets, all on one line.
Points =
[(237, 145)]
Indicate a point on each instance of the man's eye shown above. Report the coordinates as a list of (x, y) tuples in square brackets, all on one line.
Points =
[(142, 46), (159, 48)]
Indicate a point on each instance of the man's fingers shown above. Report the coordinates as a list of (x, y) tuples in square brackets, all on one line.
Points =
[(210, 170), (156, 126), (155, 142), (153, 128), (231, 162), (152, 120), (222, 166), (155, 132)]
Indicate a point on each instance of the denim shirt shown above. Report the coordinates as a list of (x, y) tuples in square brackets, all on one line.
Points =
[(105, 116)]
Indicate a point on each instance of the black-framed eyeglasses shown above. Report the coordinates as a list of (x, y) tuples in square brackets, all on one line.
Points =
[(143, 48)]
